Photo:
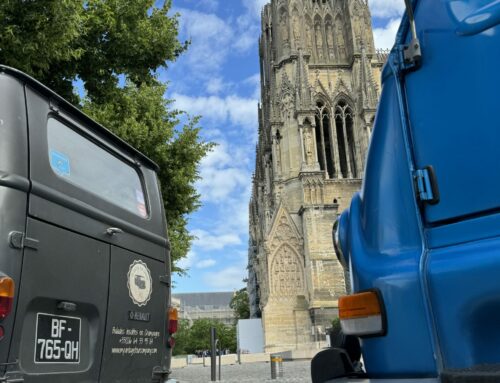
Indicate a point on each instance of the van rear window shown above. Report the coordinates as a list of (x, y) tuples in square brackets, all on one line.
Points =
[(81, 162)]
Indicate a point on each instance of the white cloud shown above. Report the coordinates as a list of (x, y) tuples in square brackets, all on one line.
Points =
[(187, 261), (210, 39), (387, 8), (208, 241), (193, 260), (230, 278), (205, 263), (255, 6), (225, 173), (216, 85), (239, 111), (255, 82), (385, 37)]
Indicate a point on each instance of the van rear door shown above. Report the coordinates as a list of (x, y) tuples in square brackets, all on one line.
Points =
[(136, 318), (61, 309)]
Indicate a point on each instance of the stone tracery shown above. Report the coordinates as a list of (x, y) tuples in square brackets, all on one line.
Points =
[(319, 92)]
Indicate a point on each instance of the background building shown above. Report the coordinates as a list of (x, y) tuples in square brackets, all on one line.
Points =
[(206, 305), (320, 87)]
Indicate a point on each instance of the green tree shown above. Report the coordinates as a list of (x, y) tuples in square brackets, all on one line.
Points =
[(182, 339), (197, 337), (100, 42), (58, 41), (240, 304)]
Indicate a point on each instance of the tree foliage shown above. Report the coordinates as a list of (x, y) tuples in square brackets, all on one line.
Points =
[(58, 41), (240, 303), (103, 43), (188, 340)]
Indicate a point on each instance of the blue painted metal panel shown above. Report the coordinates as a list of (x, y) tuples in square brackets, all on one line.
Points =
[(384, 247), (465, 296), (453, 109), (439, 280)]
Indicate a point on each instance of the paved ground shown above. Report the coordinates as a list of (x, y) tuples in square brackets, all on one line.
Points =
[(293, 372)]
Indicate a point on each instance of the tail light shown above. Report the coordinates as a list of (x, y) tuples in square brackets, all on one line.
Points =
[(362, 314), (173, 318), (7, 289)]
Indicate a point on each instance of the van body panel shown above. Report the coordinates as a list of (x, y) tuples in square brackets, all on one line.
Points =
[(14, 186), (465, 295), (13, 128), (13, 206), (384, 247), (134, 338), (66, 267), (81, 218), (454, 129), (39, 112)]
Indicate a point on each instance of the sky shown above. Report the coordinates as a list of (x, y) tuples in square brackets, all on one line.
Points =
[(218, 79)]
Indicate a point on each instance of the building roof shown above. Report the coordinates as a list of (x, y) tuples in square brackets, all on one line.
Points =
[(204, 299)]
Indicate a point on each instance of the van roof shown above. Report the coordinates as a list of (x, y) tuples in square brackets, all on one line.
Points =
[(74, 110)]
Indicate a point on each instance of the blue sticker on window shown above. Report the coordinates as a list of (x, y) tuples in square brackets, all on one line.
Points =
[(60, 163)]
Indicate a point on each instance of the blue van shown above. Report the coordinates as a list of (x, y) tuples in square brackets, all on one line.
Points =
[(421, 240)]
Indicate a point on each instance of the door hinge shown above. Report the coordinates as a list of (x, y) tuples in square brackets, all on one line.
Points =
[(426, 184), (18, 240), (410, 55)]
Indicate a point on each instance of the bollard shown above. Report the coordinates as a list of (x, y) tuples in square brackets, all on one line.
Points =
[(213, 356), (276, 367), (220, 361)]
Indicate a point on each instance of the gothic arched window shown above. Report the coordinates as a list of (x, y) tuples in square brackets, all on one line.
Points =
[(324, 143), (344, 122)]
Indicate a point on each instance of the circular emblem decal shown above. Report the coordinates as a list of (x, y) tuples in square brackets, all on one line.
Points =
[(139, 282)]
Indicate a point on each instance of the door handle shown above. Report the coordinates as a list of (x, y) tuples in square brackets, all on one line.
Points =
[(480, 20), (113, 230)]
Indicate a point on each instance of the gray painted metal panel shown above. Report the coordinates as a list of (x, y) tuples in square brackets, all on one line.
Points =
[(44, 178), (13, 205), (13, 128), (78, 221), (13, 187), (66, 267), (134, 346)]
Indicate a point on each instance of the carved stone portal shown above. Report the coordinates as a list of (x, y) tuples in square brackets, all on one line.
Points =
[(288, 274)]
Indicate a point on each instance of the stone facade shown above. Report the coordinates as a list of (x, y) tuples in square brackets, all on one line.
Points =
[(320, 87)]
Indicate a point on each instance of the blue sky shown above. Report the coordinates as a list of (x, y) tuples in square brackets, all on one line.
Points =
[(218, 78)]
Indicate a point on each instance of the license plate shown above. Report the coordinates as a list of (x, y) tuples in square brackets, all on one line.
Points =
[(57, 339)]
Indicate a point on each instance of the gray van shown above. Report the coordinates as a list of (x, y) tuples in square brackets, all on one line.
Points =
[(84, 254)]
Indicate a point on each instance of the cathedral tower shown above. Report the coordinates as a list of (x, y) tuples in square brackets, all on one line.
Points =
[(320, 87)]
